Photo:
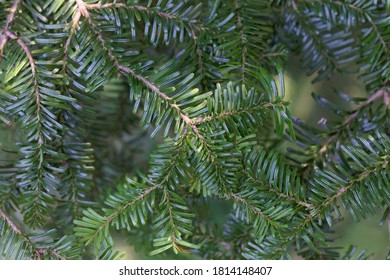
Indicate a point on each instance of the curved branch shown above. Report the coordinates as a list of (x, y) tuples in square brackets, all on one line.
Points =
[(279, 193), (83, 8), (252, 207), (9, 221), (145, 9), (381, 93), (4, 37), (19, 232), (316, 212)]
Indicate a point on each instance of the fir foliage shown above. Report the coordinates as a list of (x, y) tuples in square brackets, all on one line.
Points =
[(84, 81)]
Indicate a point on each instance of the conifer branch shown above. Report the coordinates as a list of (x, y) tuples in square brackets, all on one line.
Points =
[(9, 221), (381, 93), (147, 10), (117, 212), (29, 242), (198, 50), (4, 34), (83, 7), (383, 164), (278, 192), (369, 19), (243, 40), (317, 210), (74, 23), (228, 113), (252, 207)]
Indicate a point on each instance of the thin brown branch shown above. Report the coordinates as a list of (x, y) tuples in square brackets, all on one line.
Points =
[(243, 41), (3, 36), (381, 93), (39, 254), (366, 173), (127, 70), (19, 232), (28, 53), (121, 68), (198, 121), (317, 210), (124, 207), (198, 50), (25, 48), (145, 9), (279, 193), (253, 208), (9, 221), (75, 22)]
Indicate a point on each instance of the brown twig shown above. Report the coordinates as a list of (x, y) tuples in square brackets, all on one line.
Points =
[(316, 211), (243, 41), (28, 53), (3, 34), (279, 193), (9, 221), (383, 92), (83, 8), (254, 209)]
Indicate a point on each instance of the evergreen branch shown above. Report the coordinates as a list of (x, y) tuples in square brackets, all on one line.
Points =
[(75, 21), (318, 210), (35, 250), (362, 176), (278, 192), (173, 227), (165, 15), (39, 254), (104, 222), (83, 8), (249, 109), (243, 40), (252, 207), (381, 93), (33, 71), (312, 33), (5, 30), (198, 50), (9, 221), (368, 18), (130, 203)]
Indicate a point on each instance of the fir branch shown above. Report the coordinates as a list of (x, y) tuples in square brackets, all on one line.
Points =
[(334, 137), (5, 30), (252, 207), (318, 210), (9, 221), (35, 79), (361, 11), (83, 7), (198, 50), (35, 250), (148, 10), (243, 40), (74, 23), (250, 109), (278, 192), (383, 164)]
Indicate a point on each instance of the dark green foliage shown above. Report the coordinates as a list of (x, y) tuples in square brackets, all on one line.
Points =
[(84, 81)]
